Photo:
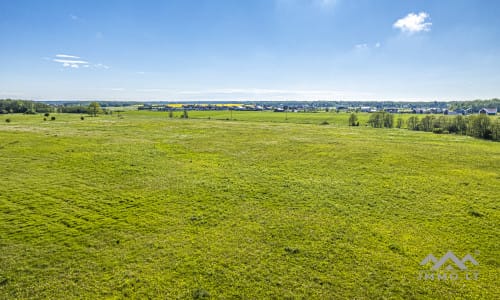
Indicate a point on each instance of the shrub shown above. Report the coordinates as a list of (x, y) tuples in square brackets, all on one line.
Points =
[(46, 114), (353, 118), (82, 118), (324, 123), (292, 250), (437, 130), (52, 118), (396, 248), (200, 294), (475, 213), (7, 120), (45, 119)]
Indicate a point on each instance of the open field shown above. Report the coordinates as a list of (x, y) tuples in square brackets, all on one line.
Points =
[(146, 206)]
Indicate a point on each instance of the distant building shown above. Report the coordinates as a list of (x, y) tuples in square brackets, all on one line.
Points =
[(392, 110), (489, 111)]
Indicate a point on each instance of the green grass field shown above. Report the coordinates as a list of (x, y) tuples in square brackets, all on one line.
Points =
[(143, 206)]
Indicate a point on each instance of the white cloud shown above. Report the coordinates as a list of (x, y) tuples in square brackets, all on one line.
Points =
[(149, 90), (366, 47), (74, 17), (414, 23), (75, 62), (101, 66), (66, 56), (360, 47), (69, 63)]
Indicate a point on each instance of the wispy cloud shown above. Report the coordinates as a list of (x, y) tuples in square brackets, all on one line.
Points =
[(361, 46), (414, 23), (101, 66), (149, 90), (66, 56), (74, 17), (76, 62), (365, 46), (69, 63)]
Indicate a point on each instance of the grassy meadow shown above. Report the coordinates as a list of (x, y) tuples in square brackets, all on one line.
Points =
[(138, 205)]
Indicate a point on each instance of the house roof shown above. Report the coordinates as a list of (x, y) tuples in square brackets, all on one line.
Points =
[(490, 110)]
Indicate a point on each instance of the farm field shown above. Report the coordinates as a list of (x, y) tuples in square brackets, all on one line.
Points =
[(138, 205)]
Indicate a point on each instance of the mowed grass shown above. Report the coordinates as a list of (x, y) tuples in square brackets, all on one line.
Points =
[(143, 206)]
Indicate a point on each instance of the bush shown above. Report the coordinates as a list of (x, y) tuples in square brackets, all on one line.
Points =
[(353, 118), (45, 119), (46, 114), (82, 118), (200, 294), (324, 123), (437, 130), (292, 250), (7, 120), (53, 118)]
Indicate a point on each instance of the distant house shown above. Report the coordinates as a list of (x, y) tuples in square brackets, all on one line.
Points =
[(392, 110), (489, 111)]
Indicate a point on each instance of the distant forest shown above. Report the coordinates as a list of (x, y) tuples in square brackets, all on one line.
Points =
[(31, 107), (24, 107), (475, 105)]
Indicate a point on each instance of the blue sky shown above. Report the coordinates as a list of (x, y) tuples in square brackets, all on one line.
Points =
[(407, 50)]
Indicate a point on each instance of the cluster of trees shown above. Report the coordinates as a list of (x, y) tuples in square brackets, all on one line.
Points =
[(23, 106), (381, 120), (475, 105), (32, 107), (479, 126), (92, 109)]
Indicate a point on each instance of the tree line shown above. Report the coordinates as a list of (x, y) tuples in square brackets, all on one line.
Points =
[(32, 107), (23, 106), (479, 126), (475, 105)]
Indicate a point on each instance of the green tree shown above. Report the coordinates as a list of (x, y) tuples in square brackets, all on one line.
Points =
[(376, 120), (353, 119), (495, 130), (94, 108), (388, 120), (479, 126), (399, 122), (427, 123), (412, 123)]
